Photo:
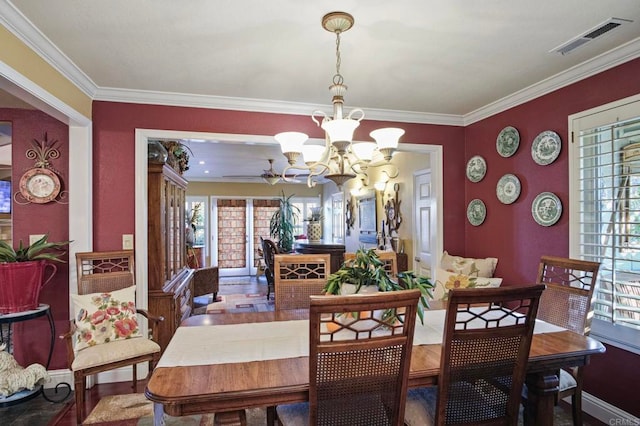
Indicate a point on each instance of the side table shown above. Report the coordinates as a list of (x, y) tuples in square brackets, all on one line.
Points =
[(6, 322)]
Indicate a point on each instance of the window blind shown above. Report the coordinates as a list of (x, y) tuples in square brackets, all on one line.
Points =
[(609, 217)]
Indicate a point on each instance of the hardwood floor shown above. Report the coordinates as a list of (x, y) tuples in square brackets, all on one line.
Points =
[(67, 414)]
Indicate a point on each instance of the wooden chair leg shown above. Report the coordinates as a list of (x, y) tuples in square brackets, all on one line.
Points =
[(576, 408), (135, 378), (79, 389), (271, 416)]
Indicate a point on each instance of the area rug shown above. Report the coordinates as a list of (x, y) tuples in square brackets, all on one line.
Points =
[(233, 303), (137, 410)]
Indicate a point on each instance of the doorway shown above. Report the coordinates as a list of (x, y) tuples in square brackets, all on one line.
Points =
[(238, 224)]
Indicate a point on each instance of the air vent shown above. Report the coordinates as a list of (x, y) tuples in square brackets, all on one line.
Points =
[(601, 29)]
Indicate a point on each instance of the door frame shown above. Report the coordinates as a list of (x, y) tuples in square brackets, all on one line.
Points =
[(141, 208)]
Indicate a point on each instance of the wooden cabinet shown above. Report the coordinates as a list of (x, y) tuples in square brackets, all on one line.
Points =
[(170, 280)]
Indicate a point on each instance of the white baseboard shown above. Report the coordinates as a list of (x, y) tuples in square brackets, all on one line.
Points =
[(605, 412)]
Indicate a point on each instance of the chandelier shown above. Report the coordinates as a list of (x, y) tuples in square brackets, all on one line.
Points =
[(339, 159)]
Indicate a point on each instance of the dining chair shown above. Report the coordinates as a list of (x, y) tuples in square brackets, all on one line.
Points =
[(486, 342), (109, 338), (567, 303), (269, 250), (298, 276), (206, 281), (358, 362), (389, 258)]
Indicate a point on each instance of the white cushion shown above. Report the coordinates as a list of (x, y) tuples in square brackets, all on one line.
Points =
[(469, 265), (446, 280), (293, 414), (105, 317), (113, 352), (421, 407), (567, 381)]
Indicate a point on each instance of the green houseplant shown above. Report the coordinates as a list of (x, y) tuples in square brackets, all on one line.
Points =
[(282, 223), (22, 272), (366, 270)]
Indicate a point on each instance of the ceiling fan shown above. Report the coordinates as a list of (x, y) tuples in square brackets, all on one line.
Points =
[(270, 176)]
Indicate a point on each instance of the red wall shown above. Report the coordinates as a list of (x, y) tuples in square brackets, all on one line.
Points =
[(509, 231), (32, 345), (114, 130)]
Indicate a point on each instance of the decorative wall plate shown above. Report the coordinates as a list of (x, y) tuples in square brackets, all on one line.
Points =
[(546, 148), (39, 185), (476, 212), (546, 208), (508, 141), (476, 168), (508, 189)]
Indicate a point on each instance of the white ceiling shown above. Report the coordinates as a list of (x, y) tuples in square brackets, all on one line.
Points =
[(411, 60)]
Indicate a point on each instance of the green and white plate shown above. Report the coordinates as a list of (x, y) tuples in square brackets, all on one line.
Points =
[(508, 189), (508, 141), (476, 212), (546, 208), (546, 148), (476, 168)]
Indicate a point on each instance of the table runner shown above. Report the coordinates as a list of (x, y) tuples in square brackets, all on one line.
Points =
[(234, 343)]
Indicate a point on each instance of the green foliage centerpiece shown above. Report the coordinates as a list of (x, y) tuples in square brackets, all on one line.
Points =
[(366, 269)]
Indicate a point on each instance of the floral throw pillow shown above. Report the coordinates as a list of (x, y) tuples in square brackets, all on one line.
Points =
[(468, 265), (105, 317), (446, 280)]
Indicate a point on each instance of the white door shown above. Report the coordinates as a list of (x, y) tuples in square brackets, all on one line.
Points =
[(425, 202)]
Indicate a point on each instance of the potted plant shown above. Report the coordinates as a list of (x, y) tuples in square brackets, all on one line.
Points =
[(22, 272), (365, 272), (282, 223)]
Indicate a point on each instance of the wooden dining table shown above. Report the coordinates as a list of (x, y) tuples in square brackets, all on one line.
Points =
[(181, 390)]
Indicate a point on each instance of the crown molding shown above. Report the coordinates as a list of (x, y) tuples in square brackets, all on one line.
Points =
[(262, 105), (603, 62), (22, 28), (30, 35)]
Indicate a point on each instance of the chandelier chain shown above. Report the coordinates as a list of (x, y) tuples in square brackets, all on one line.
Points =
[(338, 79)]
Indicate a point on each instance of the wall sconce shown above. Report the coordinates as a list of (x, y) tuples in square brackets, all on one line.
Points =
[(392, 211)]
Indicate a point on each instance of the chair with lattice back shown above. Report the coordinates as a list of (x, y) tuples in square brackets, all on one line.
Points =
[(487, 337), (389, 258), (358, 364), (101, 274), (298, 276), (567, 303)]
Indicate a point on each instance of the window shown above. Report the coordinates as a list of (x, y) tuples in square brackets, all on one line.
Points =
[(197, 218), (605, 215), (304, 204)]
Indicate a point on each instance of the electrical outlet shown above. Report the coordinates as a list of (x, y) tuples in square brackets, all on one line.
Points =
[(34, 237), (127, 241)]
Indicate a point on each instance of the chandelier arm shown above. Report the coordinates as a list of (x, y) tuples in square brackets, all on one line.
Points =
[(355, 111), (319, 113)]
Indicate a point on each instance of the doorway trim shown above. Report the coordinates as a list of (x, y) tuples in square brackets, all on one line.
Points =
[(141, 207)]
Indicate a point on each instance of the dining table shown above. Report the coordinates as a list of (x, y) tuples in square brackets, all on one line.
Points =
[(225, 363)]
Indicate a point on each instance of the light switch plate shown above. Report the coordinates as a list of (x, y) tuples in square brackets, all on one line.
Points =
[(127, 241)]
